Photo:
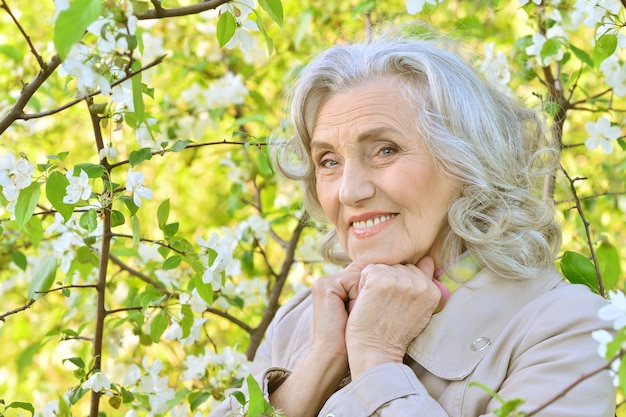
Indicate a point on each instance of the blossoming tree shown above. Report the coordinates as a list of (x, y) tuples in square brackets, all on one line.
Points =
[(147, 244)]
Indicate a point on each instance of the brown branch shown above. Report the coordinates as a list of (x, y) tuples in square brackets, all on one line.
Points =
[(27, 92), (574, 384), (193, 145), (159, 12), (273, 301), (232, 319), (119, 310), (42, 64), (587, 230), (593, 97), (129, 75), (65, 287), (156, 242), (17, 310), (139, 275), (594, 196)]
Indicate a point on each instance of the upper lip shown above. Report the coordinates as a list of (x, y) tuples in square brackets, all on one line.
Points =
[(368, 216)]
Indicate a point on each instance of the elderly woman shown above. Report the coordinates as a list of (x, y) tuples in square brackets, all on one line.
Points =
[(422, 167)]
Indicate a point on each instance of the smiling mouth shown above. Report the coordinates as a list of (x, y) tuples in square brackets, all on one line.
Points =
[(366, 224)]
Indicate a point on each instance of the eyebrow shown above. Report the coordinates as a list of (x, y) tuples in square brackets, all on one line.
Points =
[(363, 137)]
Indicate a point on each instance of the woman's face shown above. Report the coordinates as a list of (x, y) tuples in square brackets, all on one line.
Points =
[(376, 182)]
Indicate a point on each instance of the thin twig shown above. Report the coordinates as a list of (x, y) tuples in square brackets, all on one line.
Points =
[(273, 299), (139, 275), (194, 145), (66, 287), (159, 12), (232, 319), (574, 384), (38, 57), (27, 92), (17, 310), (29, 116), (579, 209)]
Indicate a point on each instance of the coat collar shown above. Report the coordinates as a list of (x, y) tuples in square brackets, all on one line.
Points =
[(460, 335)]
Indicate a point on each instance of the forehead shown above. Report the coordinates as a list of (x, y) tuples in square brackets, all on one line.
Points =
[(379, 106)]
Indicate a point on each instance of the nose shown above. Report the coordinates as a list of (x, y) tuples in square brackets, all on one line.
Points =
[(356, 184)]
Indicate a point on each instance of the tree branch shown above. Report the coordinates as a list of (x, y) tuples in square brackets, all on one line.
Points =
[(33, 50), (273, 302), (27, 92), (139, 275), (159, 12), (232, 319), (193, 145), (587, 230), (29, 116), (574, 384), (17, 310)]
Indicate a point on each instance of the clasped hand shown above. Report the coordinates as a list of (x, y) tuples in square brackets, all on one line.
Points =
[(370, 315)]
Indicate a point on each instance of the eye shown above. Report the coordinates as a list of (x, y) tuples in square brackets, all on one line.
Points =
[(388, 150)]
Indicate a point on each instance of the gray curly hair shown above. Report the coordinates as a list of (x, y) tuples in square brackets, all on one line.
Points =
[(478, 136)]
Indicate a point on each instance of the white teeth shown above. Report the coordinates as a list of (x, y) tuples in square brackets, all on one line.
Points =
[(371, 222)]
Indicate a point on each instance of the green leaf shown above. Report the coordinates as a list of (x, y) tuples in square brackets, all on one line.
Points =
[(204, 290), (170, 230), (268, 38), (134, 222), (19, 259), (43, 276), (138, 156), (89, 220), (12, 52), (33, 231), (158, 326), (163, 251), (130, 204), (550, 48), (55, 191), (23, 406), (604, 48), (76, 361), (258, 404), (582, 55), (274, 8), (187, 321), (197, 398), (92, 170), (26, 204), (226, 26), (579, 270), (117, 218), (264, 165), (179, 145), (609, 261), (163, 212), (138, 94), (239, 396), (71, 24), (172, 262)]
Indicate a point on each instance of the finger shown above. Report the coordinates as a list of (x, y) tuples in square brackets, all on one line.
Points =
[(427, 265)]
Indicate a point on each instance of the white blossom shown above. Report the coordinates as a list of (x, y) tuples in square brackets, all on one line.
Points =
[(616, 310), (196, 366), (23, 173), (525, 2), (78, 188), (539, 40), (603, 338), (108, 152), (614, 74), (496, 67), (195, 302), (135, 186), (98, 382), (602, 132), (77, 64), (416, 6)]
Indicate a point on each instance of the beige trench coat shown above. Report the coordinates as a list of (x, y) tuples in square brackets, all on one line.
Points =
[(523, 339)]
